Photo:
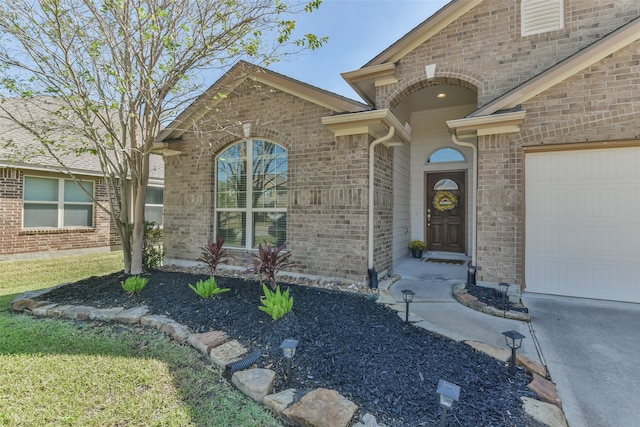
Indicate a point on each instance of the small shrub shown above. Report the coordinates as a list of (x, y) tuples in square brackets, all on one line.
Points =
[(213, 254), (152, 248), (269, 261), (276, 303), (417, 245), (207, 288), (134, 284)]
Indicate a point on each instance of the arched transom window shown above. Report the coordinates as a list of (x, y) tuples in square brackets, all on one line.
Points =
[(444, 155), (251, 194)]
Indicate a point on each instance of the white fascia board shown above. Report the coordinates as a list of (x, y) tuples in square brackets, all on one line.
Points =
[(375, 123), (487, 125), (51, 169)]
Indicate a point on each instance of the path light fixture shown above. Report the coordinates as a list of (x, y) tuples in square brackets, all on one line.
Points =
[(288, 347), (471, 275), (449, 393), (514, 341), (504, 288), (407, 296)]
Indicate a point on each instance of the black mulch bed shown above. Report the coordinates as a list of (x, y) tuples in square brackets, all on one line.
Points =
[(490, 296), (347, 343)]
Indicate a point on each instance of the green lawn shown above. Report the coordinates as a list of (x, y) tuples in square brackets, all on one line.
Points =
[(64, 373)]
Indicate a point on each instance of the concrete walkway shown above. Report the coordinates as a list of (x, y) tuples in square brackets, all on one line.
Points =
[(434, 302), (591, 348)]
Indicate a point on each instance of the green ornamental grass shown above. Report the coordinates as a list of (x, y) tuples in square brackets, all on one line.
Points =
[(208, 288), (134, 284), (276, 303)]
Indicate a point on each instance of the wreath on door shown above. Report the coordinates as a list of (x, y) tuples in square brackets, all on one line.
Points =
[(445, 201)]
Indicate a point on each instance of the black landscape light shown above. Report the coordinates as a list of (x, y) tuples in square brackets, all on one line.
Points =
[(449, 393), (407, 296), (471, 275), (288, 347), (504, 288), (514, 341)]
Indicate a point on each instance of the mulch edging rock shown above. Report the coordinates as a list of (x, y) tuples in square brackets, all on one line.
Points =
[(319, 407), (170, 327), (461, 294)]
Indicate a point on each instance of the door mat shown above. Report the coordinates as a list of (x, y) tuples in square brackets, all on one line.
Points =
[(445, 261)]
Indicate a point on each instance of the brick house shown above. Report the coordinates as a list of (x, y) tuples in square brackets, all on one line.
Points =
[(44, 211), (505, 130)]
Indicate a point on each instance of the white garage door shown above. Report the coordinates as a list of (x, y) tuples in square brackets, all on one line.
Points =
[(583, 223)]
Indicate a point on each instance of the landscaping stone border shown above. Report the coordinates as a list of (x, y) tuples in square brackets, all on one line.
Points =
[(463, 297), (548, 409), (316, 408)]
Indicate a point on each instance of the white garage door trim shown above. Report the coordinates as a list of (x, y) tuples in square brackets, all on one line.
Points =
[(583, 223)]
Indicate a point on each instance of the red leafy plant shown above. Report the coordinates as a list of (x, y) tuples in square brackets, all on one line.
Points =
[(213, 254), (269, 261)]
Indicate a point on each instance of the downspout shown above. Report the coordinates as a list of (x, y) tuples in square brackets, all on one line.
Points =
[(373, 275), (474, 189)]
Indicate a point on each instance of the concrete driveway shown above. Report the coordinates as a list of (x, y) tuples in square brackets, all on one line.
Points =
[(592, 351)]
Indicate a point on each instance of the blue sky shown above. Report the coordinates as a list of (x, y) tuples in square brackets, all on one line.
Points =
[(358, 30)]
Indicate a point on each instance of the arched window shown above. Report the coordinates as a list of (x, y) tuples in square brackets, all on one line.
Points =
[(444, 155), (251, 194), (445, 184)]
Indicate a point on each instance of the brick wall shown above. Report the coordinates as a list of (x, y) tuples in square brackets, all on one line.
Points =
[(14, 240), (598, 104), (383, 218), (327, 212), (485, 48)]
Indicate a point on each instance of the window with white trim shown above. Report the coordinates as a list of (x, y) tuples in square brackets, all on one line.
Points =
[(252, 194), (154, 205), (540, 16), (445, 155), (56, 203)]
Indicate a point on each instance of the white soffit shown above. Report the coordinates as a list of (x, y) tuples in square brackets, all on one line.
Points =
[(375, 123), (494, 124)]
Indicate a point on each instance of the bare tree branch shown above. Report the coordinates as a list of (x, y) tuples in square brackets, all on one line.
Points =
[(119, 69)]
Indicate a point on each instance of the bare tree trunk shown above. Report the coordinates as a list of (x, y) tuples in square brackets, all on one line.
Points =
[(138, 218), (125, 237), (122, 224)]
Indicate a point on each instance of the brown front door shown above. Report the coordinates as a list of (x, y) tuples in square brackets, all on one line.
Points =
[(445, 211)]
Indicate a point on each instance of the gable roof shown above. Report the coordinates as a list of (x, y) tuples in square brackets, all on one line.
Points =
[(504, 114), (243, 71), (424, 31), (381, 69), (571, 65), (26, 152)]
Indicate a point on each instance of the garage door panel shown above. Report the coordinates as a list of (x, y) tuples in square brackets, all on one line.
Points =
[(583, 223)]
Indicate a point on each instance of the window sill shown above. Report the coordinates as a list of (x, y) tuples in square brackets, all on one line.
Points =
[(43, 231)]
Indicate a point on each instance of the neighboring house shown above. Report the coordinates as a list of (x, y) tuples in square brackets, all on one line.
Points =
[(507, 130), (44, 211)]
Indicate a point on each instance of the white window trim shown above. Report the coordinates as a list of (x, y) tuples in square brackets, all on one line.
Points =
[(464, 158), (249, 209), (60, 202), (155, 205)]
